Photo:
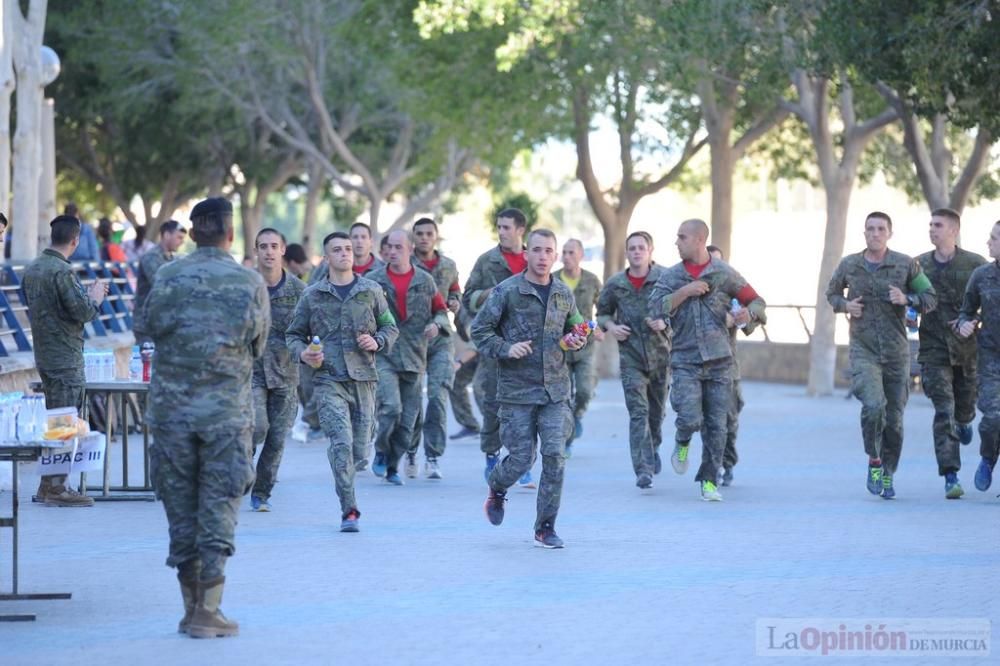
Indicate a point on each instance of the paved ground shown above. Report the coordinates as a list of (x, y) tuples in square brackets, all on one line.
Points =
[(657, 576)]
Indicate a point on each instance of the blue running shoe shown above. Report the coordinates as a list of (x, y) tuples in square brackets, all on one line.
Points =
[(888, 492), (965, 433), (952, 488), (874, 481), (350, 521), (394, 478), (577, 428), (379, 464), (526, 481), (984, 475), (491, 462), (254, 503)]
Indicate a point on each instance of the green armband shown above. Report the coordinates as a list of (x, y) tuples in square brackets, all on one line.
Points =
[(386, 319), (920, 283)]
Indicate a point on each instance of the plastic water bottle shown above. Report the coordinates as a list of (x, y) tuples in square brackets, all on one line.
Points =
[(315, 346), (584, 329), (135, 365), (147, 360), (912, 324), (734, 308)]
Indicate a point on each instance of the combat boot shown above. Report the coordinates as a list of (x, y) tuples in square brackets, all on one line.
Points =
[(208, 620), (63, 495), (189, 592)]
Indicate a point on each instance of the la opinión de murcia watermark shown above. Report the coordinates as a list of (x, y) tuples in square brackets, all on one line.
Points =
[(896, 637)]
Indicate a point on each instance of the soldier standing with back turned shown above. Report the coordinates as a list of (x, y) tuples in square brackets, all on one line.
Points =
[(209, 318)]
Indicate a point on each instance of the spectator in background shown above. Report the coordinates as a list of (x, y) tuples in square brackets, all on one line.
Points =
[(110, 250), (138, 246), (87, 250)]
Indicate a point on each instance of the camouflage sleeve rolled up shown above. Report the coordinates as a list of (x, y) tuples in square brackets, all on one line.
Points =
[(475, 288), (485, 327)]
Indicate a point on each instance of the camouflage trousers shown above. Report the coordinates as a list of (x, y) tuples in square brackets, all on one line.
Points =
[(486, 395), (62, 388), (701, 394), (583, 370), (521, 427), (952, 390), (310, 414), (399, 399), (347, 416), (200, 474), (645, 397), (729, 456), (274, 414), (458, 394), (989, 405), (883, 389), (432, 422)]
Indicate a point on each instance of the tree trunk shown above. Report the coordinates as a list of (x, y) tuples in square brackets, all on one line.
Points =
[(723, 163), (47, 175), (614, 249), (6, 90), (317, 180), (822, 348)]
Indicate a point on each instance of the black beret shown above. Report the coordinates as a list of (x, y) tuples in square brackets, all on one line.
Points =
[(65, 218), (212, 206)]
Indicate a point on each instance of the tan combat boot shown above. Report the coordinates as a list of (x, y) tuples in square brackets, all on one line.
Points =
[(189, 591), (208, 620), (63, 495)]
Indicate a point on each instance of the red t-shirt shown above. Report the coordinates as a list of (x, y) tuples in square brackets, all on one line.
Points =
[(432, 263), (361, 269), (401, 284), (515, 262), (694, 270), (637, 282)]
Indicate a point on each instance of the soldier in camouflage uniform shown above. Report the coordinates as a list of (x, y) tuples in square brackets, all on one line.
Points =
[(58, 307), (981, 310), (350, 316), (440, 351), (421, 315), (492, 268), (466, 362), (880, 285), (730, 456), (521, 325), (948, 361), (695, 295), (209, 318), (172, 236), (276, 373), (643, 352), (586, 288)]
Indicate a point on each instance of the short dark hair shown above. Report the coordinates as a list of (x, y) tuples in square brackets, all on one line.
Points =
[(71, 210), (715, 248), (336, 234), (950, 213), (171, 226), (879, 215), (356, 225), (645, 235), (296, 253), (211, 228), (425, 220), (515, 214), (65, 229), (269, 230), (383, 242), (3, 221)]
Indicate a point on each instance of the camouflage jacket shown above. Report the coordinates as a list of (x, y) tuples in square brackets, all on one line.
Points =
[(277, 367), (409, 354), (621, 303), (321, 312), (209, 318), (490, 270), (445, 274), (939, 344), (58, 307), (699, 326), (982, 302), (149, 263), (586, 293), (879, 334), (514, 312), (323, 269)]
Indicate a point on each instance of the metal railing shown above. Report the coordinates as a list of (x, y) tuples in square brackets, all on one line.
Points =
[(115, 312)]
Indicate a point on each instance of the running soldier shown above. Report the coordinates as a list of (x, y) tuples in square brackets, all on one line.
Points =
[(349, 315), (276, 373), (521, 325), (695, 295), (881, 285), (209, 318), (586, 288), (643, 352), (948, 361)]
